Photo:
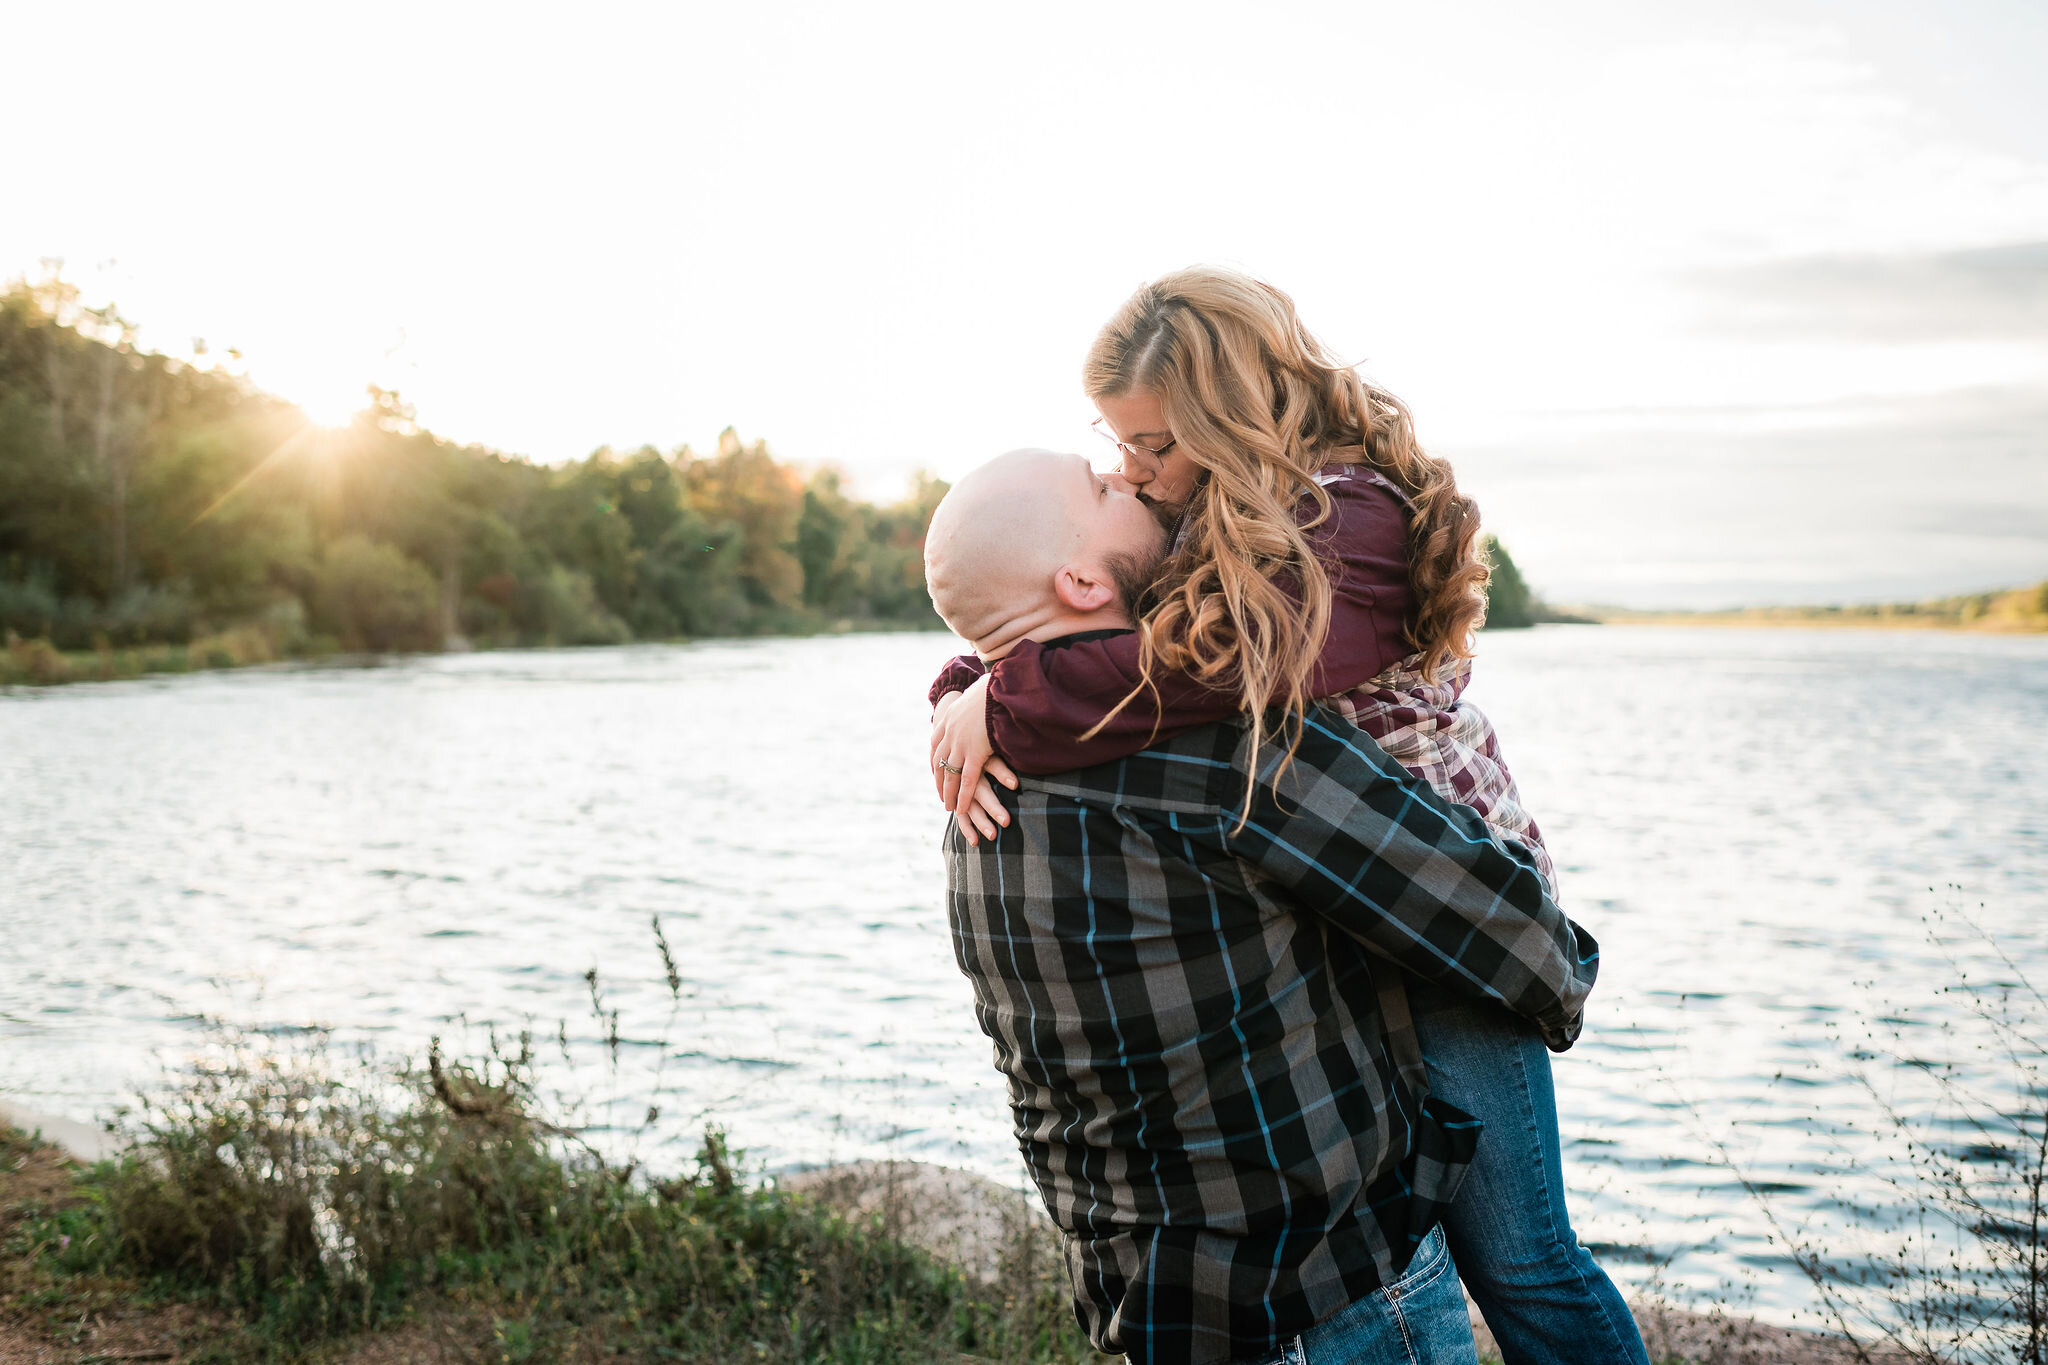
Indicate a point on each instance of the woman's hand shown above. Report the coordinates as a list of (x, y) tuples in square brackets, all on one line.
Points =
[(963, 762)]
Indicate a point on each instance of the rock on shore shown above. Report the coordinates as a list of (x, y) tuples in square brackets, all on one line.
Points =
[(80, 1141), (994, 1232)]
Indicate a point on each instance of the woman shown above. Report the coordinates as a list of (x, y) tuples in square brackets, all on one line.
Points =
[(1318, 553)]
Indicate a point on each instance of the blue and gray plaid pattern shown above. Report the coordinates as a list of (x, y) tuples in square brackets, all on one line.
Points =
[(1214, 1080)]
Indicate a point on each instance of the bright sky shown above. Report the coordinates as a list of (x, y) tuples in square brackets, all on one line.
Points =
[(1741, 302)]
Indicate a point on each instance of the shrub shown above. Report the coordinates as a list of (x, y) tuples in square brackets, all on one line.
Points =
[(372, 596), (159, 613), (233, 648), (27, 609), (564, 605), (34, 661), (313, 1206), (316, 1199)]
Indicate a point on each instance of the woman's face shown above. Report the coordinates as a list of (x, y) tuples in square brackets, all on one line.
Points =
[(1138, 420)]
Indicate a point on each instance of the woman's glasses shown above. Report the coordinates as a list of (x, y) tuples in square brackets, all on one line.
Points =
[(1128, 448)]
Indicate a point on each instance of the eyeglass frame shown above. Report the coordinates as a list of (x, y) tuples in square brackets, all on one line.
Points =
[(1129, 447)]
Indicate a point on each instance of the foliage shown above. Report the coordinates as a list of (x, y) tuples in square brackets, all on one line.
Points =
[(1508, 600), (1510, 604), (372, 596), (148, 502)]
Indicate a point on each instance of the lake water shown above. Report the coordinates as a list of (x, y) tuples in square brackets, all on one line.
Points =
[(1758, 826)]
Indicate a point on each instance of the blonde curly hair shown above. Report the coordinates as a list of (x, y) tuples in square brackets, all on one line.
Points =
[(1259, 405)]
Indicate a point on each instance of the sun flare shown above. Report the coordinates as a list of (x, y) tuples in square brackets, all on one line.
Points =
[(331, 405)]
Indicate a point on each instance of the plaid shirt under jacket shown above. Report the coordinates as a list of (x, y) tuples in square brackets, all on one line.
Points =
[(1218, 1092)]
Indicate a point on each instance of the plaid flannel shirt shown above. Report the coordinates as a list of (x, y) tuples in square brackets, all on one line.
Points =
[(1426, 727), (1212, 1073)]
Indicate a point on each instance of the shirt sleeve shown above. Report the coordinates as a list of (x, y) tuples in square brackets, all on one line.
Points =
[(960, 673), (1423, 883), (1042, 700)]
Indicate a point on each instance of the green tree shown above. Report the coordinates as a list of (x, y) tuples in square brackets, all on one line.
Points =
[(1508, 602), (743, 487), (371, 596), (236, 553), (144, 498), (893, 554), (829, 533)]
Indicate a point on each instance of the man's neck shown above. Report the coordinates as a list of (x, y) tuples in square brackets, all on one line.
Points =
[(1054, 628)]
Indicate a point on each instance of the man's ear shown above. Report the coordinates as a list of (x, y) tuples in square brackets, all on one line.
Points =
[(1082, 589)]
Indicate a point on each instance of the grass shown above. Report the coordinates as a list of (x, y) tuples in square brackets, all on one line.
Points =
[(289, 1203), (277, 1210), (39, 663)]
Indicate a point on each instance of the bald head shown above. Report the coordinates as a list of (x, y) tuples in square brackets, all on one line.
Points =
[(1033, 544)]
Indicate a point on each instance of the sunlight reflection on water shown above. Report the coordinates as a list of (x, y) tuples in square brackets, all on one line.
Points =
[(1754, 823)]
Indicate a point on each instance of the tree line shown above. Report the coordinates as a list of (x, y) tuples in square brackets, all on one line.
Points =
[(145, 500)]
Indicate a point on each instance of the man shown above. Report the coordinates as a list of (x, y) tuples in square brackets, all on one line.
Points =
[(1211, 1071)]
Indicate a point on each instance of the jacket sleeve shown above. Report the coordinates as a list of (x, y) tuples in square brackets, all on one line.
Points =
[(1041, 700), (1421, 882)]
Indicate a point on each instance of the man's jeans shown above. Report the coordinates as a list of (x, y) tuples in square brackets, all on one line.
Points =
[(1419, 1319), (1544, 1298)]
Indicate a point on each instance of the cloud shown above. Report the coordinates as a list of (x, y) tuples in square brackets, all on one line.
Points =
[(1895, 499), (1994, 293)]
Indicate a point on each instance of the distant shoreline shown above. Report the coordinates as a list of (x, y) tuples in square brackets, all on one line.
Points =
[(2008, 611), (39, 664), (1817, 620)]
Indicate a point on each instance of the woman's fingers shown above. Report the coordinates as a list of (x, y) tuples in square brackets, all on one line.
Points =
[(960, 748), (987, 806), (1001, 771), (970, 766), (939, 741)]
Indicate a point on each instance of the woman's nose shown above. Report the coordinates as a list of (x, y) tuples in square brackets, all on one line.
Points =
[(1135, 472)]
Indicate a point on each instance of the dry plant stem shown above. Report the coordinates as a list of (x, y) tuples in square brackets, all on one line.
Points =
[(1967, 1279), (1804, 1257)]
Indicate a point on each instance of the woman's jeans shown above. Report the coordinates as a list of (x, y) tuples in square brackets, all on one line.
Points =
[(1419, 1319), (1545, 1300)]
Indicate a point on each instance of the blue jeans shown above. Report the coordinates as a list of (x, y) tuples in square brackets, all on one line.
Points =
[(1544, 1298), (1419, 1319)]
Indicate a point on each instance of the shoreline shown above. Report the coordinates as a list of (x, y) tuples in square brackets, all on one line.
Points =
[(37, 664), (81, 1142), (1903, 624), (992, 1233)]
